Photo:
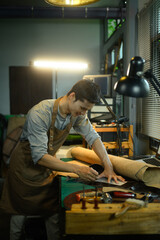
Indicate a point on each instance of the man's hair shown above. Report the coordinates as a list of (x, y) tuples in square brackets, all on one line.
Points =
[(86, 90)]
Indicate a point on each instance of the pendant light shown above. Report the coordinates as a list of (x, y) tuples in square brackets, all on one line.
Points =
[(70, 3)]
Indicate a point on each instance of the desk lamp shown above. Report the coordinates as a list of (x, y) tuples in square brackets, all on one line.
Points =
[(135, 83)]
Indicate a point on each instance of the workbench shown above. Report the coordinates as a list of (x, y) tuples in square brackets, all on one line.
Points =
[(98, 222)]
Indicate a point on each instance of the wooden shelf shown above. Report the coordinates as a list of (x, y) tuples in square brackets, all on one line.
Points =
[(114, 145)]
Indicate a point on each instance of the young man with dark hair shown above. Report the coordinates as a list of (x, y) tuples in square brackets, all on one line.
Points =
[(86, 90), (31, 187)]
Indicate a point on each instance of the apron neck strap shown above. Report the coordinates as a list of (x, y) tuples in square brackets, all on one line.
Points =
[(55, 110)]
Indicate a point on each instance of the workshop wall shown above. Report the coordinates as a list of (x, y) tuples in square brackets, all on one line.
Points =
[(23, 40)]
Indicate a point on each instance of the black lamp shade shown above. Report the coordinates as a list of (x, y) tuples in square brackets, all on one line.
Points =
[(133, 85)]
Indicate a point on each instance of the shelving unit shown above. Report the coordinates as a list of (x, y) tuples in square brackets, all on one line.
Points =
[(114, 145)]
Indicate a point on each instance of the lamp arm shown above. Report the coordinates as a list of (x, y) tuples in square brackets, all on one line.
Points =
[(153, 80), (108, 107)]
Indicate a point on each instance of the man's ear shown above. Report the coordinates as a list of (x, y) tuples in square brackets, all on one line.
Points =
[(72, 96)]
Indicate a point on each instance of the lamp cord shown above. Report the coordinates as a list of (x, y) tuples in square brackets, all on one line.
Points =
[(108, 107), (119, 139)]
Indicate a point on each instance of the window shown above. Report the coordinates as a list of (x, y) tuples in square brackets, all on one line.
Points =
[(113, 25), (149, 49), (121, 51), (113, 57)]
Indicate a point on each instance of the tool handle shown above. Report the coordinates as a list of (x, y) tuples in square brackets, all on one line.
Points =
[(79, 196), (120, 213), (124, 194)]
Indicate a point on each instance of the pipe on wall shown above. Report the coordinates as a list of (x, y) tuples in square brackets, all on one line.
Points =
[(61, 12)]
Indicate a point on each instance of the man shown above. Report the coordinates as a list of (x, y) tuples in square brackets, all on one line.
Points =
[(31, 187)]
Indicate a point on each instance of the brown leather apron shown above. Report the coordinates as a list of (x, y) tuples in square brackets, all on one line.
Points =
[(31, 189)]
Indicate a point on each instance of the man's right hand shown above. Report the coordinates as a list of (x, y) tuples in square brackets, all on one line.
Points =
[(86, 173)]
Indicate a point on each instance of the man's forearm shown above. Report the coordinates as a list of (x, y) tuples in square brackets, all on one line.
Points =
[(101, 152), (56, 164)]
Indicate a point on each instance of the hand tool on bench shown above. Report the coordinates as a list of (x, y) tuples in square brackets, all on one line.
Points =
[(130, 203), (89, 196)]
